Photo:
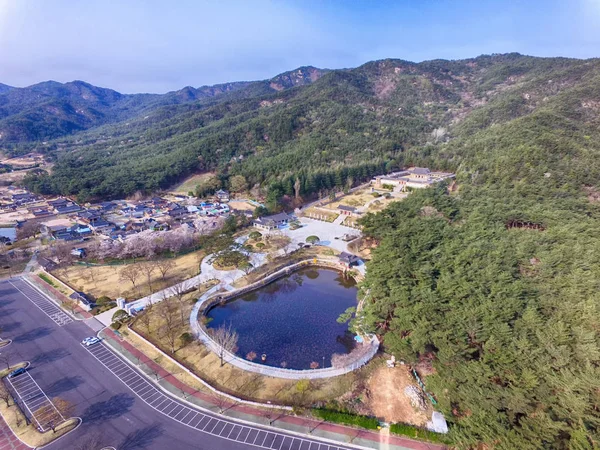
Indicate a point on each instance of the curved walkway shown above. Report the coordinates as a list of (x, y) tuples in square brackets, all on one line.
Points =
[(210, 298)]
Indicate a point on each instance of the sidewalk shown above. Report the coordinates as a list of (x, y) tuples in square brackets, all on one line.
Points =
[(8, 441), (340, 433)]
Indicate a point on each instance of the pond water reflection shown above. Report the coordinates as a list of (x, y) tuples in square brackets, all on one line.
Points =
[(292, 320)]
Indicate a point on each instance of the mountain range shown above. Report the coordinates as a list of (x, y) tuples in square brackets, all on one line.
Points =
[(50, 109), (491, 288)]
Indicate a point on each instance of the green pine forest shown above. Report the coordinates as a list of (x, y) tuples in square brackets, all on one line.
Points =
[(495, 282)]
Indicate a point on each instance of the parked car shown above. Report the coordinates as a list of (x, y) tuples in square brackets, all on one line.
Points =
[(17, 372), (90, 341)]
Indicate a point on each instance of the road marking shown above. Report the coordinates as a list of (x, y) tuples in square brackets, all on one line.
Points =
[(39, 406), (44, 304), (224, 429)]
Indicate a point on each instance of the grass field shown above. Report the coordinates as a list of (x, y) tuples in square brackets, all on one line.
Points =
[(106, 280), (190, 183)]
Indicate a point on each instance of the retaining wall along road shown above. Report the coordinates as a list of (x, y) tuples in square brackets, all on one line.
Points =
[(212, 298)]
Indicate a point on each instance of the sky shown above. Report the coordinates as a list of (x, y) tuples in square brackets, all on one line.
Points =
[(158, 46)]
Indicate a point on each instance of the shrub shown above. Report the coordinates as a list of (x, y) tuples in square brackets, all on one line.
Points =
[(120, 316), (115, 325), (186, 338), (418, 433), (255, 235), (260, 245), (47, 279), (370, 423), (104, 300)]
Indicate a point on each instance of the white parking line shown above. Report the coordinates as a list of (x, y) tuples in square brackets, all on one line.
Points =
[(173, 409), (33, 398), (46, 306)]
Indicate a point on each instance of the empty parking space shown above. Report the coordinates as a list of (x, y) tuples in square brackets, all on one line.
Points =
[(192, 418), (35, 402), (47, 306)]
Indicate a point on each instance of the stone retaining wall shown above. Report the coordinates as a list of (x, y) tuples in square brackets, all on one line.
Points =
[(212, 298)]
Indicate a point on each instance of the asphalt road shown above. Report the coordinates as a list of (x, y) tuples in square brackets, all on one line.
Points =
[(109, 407)]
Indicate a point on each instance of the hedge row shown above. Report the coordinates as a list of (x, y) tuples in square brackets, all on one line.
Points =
[(47, 279), (417, 433), (370, 423)]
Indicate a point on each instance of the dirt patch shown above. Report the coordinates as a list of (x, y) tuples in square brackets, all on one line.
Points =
[(387, 400), (190, 183), (241, 205)]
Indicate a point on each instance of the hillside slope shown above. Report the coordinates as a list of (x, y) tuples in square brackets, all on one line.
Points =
[(493, 289), (50, 110)]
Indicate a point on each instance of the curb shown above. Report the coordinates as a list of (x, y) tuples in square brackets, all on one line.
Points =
[(230, 418), (51, 298), (204, 383)]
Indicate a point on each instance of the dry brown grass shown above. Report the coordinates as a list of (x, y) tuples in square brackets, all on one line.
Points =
[(356, 199), (229, 378), (329, 216), (190, 183), (28, 433), (105, 280)]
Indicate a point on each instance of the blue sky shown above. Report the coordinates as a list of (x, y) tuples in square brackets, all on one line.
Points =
[(157, 46)]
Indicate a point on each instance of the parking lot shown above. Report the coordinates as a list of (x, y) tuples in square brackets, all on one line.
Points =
[(38, 299), (34, 402), (197, 420)]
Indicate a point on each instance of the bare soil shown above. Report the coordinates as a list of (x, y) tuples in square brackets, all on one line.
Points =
[(386, 398)]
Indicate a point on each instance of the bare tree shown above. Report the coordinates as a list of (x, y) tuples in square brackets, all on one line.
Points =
[(148, 269), (5, 358), (164, 266), (91, 441), (54, 415), (226, 339), (297, 186), (70, 305), (171, 326), (179, 293), (62, 253), (251, 356), (145, 318), (28, 229), (130, 273), (5, 394), (93, 272)]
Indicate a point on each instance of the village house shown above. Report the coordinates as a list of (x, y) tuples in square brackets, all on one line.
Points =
[(83, 300), (221, 196), (272, 222), (348, 259)]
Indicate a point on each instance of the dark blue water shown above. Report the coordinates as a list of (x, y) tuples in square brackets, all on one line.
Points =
[(292, 320)]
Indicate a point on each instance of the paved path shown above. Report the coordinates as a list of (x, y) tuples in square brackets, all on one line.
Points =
[(358, 437), (111, 396), (8, 441)]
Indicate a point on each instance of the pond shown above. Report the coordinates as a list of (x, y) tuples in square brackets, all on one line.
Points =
[(293, 321)]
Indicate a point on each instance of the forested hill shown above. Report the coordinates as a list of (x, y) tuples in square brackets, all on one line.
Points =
[(495, 287), (326, 128), (49, 110)]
